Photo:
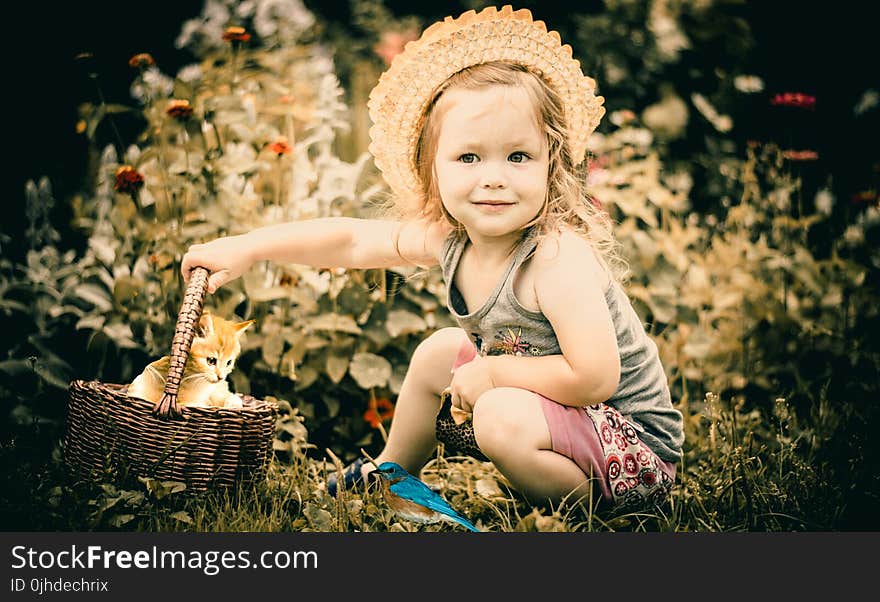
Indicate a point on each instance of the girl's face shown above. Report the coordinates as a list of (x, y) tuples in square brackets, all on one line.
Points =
[(492, 161)]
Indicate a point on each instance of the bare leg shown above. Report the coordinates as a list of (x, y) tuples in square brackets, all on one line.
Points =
[(511, 430), (411, 436)]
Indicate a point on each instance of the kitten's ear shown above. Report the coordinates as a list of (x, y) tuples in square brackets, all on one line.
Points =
[(206, 324), (242, 326)]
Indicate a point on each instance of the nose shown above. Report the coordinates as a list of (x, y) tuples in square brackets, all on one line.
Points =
[(492, 176)]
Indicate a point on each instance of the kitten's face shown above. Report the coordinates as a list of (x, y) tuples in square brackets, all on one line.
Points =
[(216, 346)]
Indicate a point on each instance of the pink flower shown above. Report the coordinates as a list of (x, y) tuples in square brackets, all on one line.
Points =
[(392, 43), (794, 99)]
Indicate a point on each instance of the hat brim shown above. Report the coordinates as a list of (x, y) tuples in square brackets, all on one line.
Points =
[(398, 102)]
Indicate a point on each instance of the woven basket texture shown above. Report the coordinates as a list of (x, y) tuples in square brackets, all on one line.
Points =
[(208, 447), (109, 433)]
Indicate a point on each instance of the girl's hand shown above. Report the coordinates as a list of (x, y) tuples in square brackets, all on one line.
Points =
[(469, 381), (225, 258)]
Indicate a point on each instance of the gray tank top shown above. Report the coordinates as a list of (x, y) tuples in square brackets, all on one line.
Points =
[(504, 327)]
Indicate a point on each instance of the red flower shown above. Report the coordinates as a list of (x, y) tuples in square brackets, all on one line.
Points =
[(378, 410), (800, 155), (128, 180), (236, 34), (141, 60), (179, 109), (794, 99), (864, 196), (281, 147)]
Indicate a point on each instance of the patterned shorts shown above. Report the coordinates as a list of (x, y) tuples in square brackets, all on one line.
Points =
[(635, 475)]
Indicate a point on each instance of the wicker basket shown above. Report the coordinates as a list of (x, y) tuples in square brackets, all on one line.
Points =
[(202, 447)]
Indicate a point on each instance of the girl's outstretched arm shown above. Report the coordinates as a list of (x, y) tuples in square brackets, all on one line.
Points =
[(570, 288), (345, 242)]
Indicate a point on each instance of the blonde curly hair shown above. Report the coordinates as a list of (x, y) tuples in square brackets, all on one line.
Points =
[(567, 201)]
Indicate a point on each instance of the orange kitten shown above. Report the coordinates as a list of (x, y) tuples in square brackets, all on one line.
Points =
[(211, 358)]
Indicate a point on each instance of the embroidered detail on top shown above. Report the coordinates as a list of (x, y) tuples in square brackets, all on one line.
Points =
[(512, 343)]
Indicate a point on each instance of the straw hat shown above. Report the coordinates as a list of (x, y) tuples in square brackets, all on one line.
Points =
[(397, 104)]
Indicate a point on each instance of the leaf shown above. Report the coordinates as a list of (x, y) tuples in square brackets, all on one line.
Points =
[(160, 489), (337, 366), (335, 322), (93, 322), (121, 519), (121, 335), (53, 372), (698, 344), (182, 516), (401, 322), (319, 519), (94, 295), (15, 367), (272, 348), (370, 370)]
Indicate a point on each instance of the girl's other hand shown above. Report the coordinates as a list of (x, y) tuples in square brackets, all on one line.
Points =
[(225, 258), (469, 381)]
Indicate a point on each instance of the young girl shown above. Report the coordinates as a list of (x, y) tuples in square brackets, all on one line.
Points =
[(479, 127)]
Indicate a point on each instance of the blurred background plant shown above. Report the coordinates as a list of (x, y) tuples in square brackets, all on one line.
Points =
[(754, 269)]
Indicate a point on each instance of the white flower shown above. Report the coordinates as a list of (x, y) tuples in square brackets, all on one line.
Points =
[(238, 158), (317, 281), (854, 235), (868, 101), (824, 201), (669, 38), (289, 19), (151, 85), (190, 73), (680, 181), (722, 123), (614, 73), (207, 30), (668, 118), (748, 84), (639, 137), (781, 197), (871, 217), (239, 196), (622, 117)]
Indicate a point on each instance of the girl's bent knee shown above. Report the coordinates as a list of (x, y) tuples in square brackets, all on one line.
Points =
[(496, 428), (438, 346)]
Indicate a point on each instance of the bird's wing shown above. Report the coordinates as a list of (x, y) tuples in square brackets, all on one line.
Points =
[(415, 490)]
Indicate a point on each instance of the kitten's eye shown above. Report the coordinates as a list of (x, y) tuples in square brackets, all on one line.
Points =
[(468, 158), (229, 363), (212, 361)]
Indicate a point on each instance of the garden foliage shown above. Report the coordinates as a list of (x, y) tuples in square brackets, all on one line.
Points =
[(763, 331)]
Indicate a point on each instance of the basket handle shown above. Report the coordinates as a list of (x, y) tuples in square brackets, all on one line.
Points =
[(184, 331)]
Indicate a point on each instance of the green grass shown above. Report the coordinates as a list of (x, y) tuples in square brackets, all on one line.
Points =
[(737, 474)]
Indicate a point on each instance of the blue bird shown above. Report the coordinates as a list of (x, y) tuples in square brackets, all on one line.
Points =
[(411, 499)]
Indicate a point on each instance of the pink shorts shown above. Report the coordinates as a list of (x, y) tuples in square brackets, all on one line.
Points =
[(605, 446)]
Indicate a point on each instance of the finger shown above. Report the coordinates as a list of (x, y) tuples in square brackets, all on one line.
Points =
[(216, 280), (184, 268)]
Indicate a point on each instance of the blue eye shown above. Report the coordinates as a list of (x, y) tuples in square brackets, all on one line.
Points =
[(518, 157), (468, 158)]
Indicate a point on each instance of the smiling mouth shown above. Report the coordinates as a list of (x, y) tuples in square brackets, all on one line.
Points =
[(492, 203)]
